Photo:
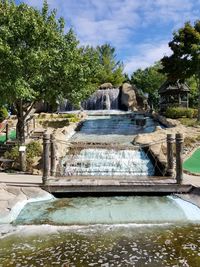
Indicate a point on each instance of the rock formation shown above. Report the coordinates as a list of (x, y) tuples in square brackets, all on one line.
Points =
[(106, 86), (128, 97)]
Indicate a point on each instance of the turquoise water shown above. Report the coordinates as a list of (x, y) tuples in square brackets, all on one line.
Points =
[(105, 232), (109, 210), (112, 129)]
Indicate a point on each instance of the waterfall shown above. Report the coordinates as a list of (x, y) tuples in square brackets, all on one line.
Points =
[(108, 162), (65, 105), (102, 99)]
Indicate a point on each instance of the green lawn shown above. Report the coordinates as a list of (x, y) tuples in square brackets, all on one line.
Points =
[(192, 164), (12, 136)]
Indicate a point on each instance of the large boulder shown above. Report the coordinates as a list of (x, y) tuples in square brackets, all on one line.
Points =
[(106, 86), (128, 97)]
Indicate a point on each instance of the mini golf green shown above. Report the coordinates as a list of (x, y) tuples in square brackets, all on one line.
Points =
[(12, 136), (192, 164)]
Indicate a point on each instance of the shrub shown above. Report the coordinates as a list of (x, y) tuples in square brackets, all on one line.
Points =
[(33, 149), (54, 123), (12, 154), (189, 141), (3, 114), (178, 112)]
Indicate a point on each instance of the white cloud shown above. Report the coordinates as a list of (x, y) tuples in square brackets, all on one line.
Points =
[(120, 21), (147, 55)]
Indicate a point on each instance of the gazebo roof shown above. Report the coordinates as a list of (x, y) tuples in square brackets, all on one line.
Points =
[(169, 86)]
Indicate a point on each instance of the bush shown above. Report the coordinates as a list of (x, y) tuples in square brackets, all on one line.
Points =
[(3, 114), (33, 149), (189, 141), (178, 112), (12, 154)]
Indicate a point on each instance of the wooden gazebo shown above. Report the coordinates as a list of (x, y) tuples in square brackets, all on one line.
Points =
[(173, 94)]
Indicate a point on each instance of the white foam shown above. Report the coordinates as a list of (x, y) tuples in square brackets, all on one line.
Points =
[(44, 229), (191, 211)]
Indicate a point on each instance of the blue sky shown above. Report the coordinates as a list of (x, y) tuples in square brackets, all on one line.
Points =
[(139, 29)]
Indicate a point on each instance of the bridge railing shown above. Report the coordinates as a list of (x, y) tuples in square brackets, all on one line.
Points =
[(50, 160)]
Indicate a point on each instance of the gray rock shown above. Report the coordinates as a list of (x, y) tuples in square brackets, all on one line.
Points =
[(128, 96)]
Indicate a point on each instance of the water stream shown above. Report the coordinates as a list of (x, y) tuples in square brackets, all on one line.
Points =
[(132, 231), (112, 161), (108, 162)]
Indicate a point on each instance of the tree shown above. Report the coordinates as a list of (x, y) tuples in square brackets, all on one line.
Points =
[(193, 96), (111, 69), (185, 59), (149, 81), (38, 61)]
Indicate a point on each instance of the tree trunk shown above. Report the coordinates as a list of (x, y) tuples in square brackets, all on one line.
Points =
[(23, 116), (21, 130)]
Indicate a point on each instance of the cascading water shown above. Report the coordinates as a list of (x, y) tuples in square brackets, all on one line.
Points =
[(104, 162), (103, 99), (113, 130)]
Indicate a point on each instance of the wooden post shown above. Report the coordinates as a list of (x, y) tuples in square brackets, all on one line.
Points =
[(34, 124), (7, 132), (27, 129), (179, 159), (22, 158), (46, 154), (170, 157), (53, 155)]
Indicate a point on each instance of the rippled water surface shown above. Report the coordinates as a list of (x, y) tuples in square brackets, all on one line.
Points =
[(109, 210), (110, 246)]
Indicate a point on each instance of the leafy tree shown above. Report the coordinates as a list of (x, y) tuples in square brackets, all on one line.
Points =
[(111, 69), (38, 61), (83, 75), (185, 59), (193, 96), (149, 80)]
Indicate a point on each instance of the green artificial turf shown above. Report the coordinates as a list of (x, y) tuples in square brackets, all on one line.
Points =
[(192, 164), (12, 136)]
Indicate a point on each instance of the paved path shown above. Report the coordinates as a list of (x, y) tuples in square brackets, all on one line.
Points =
[(36, 180), (20, 179), (191, 179)]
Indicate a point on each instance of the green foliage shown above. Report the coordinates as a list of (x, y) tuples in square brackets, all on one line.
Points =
[(178, 112), (193, 95), (111, 70), (3, 114), (149, 81), (54, 123), (38, 61), (185, 59), (189, 141), (33, 149), (189, 122), (12, 154)]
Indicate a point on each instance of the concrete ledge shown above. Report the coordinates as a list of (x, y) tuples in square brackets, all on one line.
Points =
[(114, 189)]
